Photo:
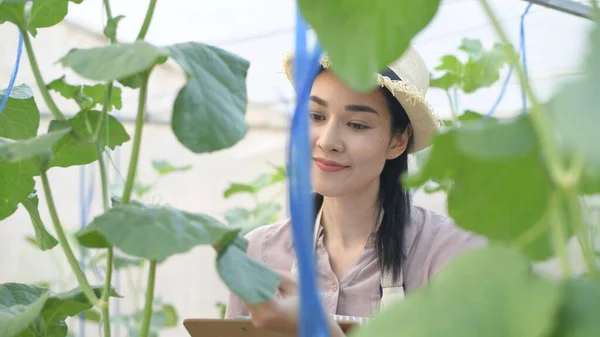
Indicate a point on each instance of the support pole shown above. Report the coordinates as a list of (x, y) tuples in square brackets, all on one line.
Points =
[(567, 6)]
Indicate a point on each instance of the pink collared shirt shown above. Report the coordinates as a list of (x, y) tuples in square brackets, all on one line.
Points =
[(432, 240)]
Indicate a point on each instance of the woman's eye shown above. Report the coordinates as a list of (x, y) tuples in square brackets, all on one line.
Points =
[(316, 117), (358, 126)]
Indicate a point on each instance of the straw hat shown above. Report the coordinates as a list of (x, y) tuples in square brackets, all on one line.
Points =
[(408, 80)]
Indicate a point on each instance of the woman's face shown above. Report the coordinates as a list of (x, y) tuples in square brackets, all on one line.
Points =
[(351, 137)]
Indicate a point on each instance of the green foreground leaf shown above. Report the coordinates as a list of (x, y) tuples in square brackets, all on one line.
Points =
[(259, 283), (166, 231), (488, 292), (208, 113), (575, 117), (362, 37), (579, 313), (15, 151), (20, 305), (500, 186), (27, 310)]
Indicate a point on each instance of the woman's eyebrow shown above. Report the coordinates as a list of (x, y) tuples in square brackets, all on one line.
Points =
[(360, 108), (318, 100)]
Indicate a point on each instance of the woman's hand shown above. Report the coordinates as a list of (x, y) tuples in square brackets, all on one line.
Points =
[(281, 313)]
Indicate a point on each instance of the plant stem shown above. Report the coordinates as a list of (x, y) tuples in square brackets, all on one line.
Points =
[(108, 16), (149, 300), (454, 113), (106, 292), (576, 221), (103, 120), (62, 239), (557, 233), (147, 20), (38, 78), (137, 140)]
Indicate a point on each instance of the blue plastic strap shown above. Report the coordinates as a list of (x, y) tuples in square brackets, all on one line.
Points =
[(312, 322), (524, 62), (13, 76)]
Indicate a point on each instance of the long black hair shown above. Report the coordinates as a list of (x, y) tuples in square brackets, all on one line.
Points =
[(392, 197)]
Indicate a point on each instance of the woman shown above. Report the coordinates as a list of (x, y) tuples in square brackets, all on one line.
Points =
[(371, 243)]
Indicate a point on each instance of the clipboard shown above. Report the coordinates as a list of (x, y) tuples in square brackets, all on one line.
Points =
[(210, 327)]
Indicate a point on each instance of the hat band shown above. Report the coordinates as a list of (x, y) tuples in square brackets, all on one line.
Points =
[(389, 73)]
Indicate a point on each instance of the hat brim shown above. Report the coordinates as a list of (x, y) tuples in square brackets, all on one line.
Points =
[(424, 122)]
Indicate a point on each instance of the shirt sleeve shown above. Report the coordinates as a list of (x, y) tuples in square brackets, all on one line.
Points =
[(450, 243)]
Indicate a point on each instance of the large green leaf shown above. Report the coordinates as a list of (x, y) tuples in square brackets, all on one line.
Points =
[(16, 181), (16, 151), (259, 283), (500, 186), (47, 13), (20, 305), (166, 231), (86, 96), (579, 313), (487, 292), (363, 37), (208, 113), (20, 118), (13, 11), (77, 148), (575, 116), (114, 62), (30, 311), (43, 239)]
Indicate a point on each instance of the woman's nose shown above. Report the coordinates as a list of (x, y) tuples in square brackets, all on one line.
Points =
[(329, 138)]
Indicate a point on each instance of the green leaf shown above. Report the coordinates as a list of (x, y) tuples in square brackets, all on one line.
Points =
[(113, 62), (20, 118), (166, 231), (119, 262), (578, 316), (363, 37), (453, 75), (111, 27), (15, 151), (163, 167), (237, 217), (500, 186), (259, 283), (262, 181), (171, 317), (20, 305), (43, 239), (483, 68), (13, 11), (98, 92), (47, 13), (208, 113), (573, 112), (68, 304), (92, 316), (86, 96), (17, 183), (488, 292), (77, 148)]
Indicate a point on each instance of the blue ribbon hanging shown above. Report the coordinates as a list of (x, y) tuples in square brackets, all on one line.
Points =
[(312, 320), (13, 75)]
